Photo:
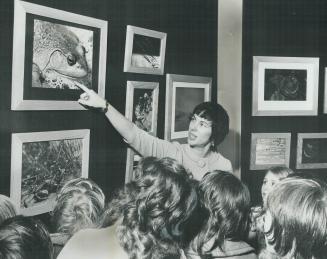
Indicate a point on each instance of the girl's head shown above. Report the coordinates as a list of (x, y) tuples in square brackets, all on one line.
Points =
[(80, 204), (209, 124), (296, 218), (227, 202), (7, 208), (273, 176)]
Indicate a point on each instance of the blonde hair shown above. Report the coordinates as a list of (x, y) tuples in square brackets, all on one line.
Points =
[(7, 208), (80, 203)]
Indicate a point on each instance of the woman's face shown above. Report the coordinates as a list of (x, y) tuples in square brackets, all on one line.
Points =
[(199, 132), (268, 182)]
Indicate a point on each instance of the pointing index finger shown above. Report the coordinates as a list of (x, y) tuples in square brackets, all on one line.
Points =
[(83, 87)]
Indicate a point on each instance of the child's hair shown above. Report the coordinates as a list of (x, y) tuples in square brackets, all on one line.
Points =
[(154, 209), (7, 208), (227, 203), (280, 171), (220, 120), (80, 204), (24, 238), (298, 208)]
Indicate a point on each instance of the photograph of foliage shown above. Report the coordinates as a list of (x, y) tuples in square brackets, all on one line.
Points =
[(47, 166), (42, 162)]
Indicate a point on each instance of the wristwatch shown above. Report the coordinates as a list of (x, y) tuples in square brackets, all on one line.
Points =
[(105, 109)]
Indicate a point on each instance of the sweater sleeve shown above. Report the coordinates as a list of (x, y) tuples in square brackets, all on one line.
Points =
[(148, 145)]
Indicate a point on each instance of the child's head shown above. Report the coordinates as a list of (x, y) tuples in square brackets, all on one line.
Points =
[(24, 238), (296, 218), (273, 176), (80, 203), (227, 201), (7, 208)]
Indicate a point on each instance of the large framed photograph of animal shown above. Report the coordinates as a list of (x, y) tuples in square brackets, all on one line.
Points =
[(285, 86), (144, 51), (52, 50), (142, 110), (183, 93), (42, 162)]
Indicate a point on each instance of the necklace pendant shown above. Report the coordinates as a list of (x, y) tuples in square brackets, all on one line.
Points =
[(201, 163)]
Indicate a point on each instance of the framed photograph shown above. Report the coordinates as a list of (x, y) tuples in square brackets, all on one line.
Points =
[(183, 93), (42, 162), (270, 149), (325, 97), (144, 51), (53, 49), (285, 86), (311, 150), (142, 110)]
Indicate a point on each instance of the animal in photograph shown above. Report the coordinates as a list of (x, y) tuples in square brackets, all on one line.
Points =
[(285, 85), (146, 52), (186, 99), (46, 167), (62, 54), (143, 109), (314, 150)]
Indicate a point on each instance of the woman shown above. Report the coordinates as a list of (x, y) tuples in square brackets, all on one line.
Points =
[(226, 204), (150, 216), (296, 219), (209, 125)]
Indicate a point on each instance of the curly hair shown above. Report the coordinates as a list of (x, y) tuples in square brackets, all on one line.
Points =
[(7, 208), (298, 210), (220, 120), (24, 238), (80, 204), (155, 209), (226, 201)]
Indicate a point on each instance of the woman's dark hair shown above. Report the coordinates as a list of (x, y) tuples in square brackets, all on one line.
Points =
[(227, 203), (220, 120), (24, 238), (155, 209), (298, 209)]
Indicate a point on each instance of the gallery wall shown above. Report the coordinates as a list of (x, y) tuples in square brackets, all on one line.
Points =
[(285, 29), (191, 49)]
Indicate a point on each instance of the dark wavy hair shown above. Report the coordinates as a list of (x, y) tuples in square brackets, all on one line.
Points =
[(298, 208), (24, 238), (220, 120), (226, 201), (155, 209)]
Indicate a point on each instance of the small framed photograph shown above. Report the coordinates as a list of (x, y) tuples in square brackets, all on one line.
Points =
[(183, 93), (53, 49), (311, 150), (285, 86), (42, 162), (144, 51), (270, 149), (142, 110), (325, 97)]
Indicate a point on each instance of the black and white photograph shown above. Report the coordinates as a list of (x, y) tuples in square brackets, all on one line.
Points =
[(145, 50), (163, 129), (312, 150), (53, 51), (183, 94), (42, 162), (285, 86)]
